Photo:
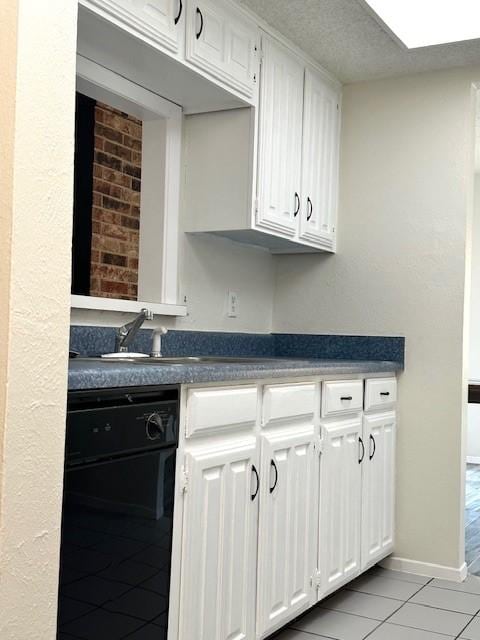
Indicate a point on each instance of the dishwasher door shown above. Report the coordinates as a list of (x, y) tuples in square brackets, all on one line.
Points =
[(116, 548)]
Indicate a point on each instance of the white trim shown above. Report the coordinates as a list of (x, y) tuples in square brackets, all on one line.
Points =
[(127, 306), (473, 459), (98, 81), (160, 196), (426, 569)]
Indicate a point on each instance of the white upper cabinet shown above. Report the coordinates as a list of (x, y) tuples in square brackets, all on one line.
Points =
[(378, 484), (217, 594), (162, 21), (280, 141), (321, 123), (222, 42)]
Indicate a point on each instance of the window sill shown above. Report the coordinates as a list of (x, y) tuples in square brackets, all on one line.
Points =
[(127, 306)]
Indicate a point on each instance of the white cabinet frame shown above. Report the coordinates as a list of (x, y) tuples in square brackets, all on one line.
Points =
[(160, 195)]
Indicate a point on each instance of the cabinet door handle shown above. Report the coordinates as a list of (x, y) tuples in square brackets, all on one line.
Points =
[(372, 439), (180, 9), (274, 466), (310, 206), (344, 398), (384, 393), (362, 456), (254, 495), (199, 33), (297, 205)]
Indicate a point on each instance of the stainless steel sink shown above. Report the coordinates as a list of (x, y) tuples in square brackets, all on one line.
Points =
[(194, 360)]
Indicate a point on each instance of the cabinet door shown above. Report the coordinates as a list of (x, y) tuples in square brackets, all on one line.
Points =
[(378, 487), (286, 560), (217, 593), (320, 162), (278, 204), (160, 20), (340, 503), (223, 43)]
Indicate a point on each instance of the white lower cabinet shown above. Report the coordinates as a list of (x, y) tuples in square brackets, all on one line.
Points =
[(219, 555), (340, 504), (281, 509), (378, 484), (286, 552)]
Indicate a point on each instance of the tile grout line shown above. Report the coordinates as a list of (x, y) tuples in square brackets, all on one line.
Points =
[(355, 615), (469, 623), (397, 610), (402, 604)]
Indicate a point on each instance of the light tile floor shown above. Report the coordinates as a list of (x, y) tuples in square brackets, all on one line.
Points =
[(388, 605)]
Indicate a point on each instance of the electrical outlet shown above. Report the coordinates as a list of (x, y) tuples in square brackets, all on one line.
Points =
[(232, 304)]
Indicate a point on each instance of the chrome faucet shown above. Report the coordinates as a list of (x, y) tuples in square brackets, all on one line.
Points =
[(126, 334)]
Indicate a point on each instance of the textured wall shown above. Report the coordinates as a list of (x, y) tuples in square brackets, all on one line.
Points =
[(405, 185), (8, 59), (116, 204), (41, 211)]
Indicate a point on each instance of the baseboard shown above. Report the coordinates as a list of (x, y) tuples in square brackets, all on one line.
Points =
[(426, 569), (473, 459)]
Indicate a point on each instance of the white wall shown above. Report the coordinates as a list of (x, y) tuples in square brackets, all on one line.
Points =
[(473, 438), (406, 170), (210, 266), (474, 361), (39, 178)]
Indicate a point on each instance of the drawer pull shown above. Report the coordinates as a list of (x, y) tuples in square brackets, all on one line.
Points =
[(384, 393), (274, 466), (254, 495), (360, 442), (372, 439), (345, 398)]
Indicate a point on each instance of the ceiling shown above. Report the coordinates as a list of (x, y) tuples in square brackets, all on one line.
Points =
[(344, 37)]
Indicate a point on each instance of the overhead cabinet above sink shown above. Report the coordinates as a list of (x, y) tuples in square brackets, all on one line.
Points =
[(283, 157), (212, 39), (262, 120)]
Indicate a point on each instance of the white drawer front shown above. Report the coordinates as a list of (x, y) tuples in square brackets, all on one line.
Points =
[(345, 396), (212, 409), (287, 401), (380, 393)]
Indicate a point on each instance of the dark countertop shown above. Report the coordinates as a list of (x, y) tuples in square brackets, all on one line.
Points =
[(90, 373)]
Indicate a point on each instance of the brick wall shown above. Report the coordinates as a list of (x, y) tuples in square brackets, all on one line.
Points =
[(116, 204)]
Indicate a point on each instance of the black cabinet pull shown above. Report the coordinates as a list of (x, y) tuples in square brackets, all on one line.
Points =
[(346, 398), (254, 495), (297, 205), (199, 33), (372, 439), (385, 393), (360, 442), (180, 9), (272, 464), (310, 206)]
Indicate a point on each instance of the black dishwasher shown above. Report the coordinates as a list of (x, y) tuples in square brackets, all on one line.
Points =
[(117, 517)]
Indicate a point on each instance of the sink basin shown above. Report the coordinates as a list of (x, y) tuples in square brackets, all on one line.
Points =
[(193, 360)]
